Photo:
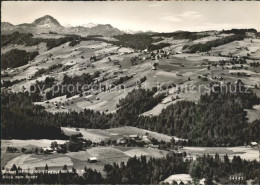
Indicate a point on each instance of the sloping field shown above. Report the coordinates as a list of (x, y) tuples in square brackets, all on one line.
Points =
[(6, 157), (34, 142), (105, 155), (55, 161), (238, 48), (95, 135), (109, 155), (247, 153), (137, 131), (148, 152)]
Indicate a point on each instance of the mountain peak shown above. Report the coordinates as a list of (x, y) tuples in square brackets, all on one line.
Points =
[(46, 20)]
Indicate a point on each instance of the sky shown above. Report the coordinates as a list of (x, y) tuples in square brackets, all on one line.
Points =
[(160, 16)]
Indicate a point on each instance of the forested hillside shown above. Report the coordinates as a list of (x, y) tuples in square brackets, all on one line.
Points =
[(218, 119), (16, 123), (16, 58), (204, 47)]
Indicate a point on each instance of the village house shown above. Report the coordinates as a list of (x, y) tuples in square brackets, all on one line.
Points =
[(92, 160), (121, 141), (47, 150), (253, 144), (152, 146), (133, 136)]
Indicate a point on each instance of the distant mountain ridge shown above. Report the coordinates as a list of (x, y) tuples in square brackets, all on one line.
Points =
[(7, 28), (48, 24), (46, 20)]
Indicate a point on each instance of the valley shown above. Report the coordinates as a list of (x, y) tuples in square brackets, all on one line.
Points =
[(100, 101)]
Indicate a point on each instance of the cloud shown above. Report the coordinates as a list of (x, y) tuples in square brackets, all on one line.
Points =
[(190, 14), (182, 17), (154, 5), (171, 18)]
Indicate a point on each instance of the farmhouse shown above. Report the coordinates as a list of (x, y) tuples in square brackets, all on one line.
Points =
[(47, 150), (133, 136), (253, 144), (152, 146), (92, 160), (121, 141), (146, 139)]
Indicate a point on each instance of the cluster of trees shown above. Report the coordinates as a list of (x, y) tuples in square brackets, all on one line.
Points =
[(214, 168), (122, 80), (52, 43), (134, 104), (182, 35), (143, 79), (40, 87), (46, 71), (75, 144), (145, 171), (138, 41), (10, 149), (16, 58), (74, 43), (204, 47), (71, 86), (20, 39), (153, 47), (239, 31), (254, 64), (9, 83)]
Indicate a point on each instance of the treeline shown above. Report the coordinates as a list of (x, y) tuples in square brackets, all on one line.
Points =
[(27, 39), (204, 47), (224, 171), (149, 171), (218, 119), (122, 80), (239, 31), (182, 35), (16, 58), (20, 39), (145, 171), (153, 47), (21, 119), (138, 41), (9, 83), (135, 171), (52, 43)]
